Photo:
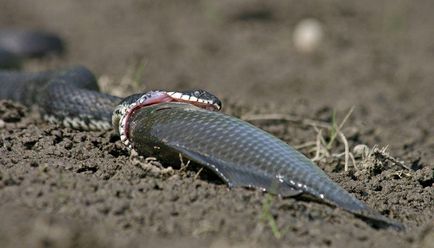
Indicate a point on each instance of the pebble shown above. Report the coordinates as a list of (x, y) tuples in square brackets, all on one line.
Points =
[(308, 35)]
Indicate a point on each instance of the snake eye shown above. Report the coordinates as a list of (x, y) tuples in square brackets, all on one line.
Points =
[(196, 93)]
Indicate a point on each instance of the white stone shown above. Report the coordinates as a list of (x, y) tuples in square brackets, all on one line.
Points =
[(308, 35)]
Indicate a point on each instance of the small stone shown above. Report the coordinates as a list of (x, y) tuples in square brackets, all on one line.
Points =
[(34, 163), (308, 35), (361, 151), (68, 144)]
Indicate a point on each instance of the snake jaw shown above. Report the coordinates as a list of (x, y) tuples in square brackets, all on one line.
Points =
[(126, 109), (129, 105), (199, 98)]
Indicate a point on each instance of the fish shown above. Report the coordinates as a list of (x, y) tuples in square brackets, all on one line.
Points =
[(241, 154)]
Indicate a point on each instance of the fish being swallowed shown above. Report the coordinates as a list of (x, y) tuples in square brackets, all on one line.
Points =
[(241, 154), (165, 124)]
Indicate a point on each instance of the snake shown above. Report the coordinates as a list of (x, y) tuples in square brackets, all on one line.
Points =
[(166, 124)]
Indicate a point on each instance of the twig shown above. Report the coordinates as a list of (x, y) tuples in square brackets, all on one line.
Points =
[(198, 173), (318, 145), (382, 153), (347, 149), (346, 118), (183, 165), (284, 117), (321, 147), (337, 129), (353, 160), (307, 144)]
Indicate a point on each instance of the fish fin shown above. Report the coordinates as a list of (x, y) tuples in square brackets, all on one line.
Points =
[(237, 176), (379, 221)]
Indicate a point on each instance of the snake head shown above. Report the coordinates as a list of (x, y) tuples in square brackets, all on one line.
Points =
[(121, 114), (199, 98)]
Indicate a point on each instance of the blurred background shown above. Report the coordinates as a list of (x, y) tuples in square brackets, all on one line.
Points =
[(295, 56), (246, 49), (307, 58)]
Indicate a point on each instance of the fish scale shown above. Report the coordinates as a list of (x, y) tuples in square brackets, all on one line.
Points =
[(240, 153)]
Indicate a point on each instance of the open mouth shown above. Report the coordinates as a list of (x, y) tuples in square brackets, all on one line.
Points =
[(157, 97), (194, 98)]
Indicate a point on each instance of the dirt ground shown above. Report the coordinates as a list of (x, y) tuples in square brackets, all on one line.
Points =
[(66, 188)]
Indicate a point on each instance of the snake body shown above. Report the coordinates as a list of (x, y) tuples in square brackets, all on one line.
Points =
[(69, 96), (16, 45), (165, 124)]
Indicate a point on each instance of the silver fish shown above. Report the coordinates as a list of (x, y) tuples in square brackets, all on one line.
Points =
[(241, 154)]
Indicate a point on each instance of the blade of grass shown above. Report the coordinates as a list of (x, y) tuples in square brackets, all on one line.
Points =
[(268, 217), (333, 130)]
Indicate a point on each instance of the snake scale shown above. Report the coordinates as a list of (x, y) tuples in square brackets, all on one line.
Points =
[(167, 123)]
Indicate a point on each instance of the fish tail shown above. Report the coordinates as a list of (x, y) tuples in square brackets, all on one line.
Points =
[(348, 202)]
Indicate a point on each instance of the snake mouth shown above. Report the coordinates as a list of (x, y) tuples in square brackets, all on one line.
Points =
[(129, 105), (199, 98)]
